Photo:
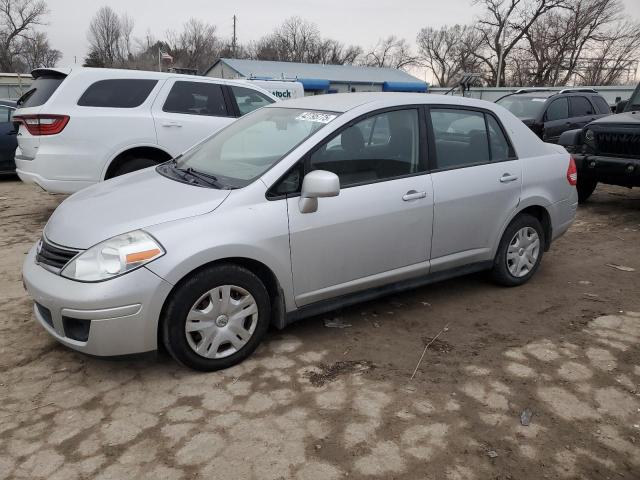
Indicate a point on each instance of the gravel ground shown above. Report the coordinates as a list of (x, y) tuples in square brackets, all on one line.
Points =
[(328, 403)]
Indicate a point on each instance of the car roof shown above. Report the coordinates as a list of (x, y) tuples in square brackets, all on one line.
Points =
[(343, 102), (108, 73), (8, 103)]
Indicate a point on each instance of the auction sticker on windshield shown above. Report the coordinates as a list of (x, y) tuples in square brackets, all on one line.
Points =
[(316, 117)]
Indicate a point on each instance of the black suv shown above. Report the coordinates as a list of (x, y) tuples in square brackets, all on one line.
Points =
[(607, 150), (550, 113)]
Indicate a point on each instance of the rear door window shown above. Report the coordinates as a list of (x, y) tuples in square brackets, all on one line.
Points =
[(196, 98), (460, 137), (467, 137), (558, 110), (41, 90), (581, 107), (249, 99), (117, 93)]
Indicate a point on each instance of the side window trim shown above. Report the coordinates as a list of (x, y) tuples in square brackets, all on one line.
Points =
[(230, 101), (433, 157), (424, 151)]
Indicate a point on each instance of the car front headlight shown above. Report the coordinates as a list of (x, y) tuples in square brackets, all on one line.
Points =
[(113, 257)]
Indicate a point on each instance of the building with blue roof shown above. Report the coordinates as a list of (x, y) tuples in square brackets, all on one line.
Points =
[(318, 78)]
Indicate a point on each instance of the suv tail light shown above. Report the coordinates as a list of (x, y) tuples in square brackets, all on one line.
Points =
[(572, 172), (43, 124)]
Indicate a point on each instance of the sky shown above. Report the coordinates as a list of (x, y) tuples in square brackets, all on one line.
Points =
[(360, 22)]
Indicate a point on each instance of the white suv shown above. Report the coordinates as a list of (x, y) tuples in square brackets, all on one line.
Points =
[(83, 125)]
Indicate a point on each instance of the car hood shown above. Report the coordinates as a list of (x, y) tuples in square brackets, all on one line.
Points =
[(626, 118), (127, 203)]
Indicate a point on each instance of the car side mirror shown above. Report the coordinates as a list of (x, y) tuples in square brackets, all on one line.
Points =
[(317, 184)]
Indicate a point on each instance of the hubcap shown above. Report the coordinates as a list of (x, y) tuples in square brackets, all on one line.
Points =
[(523, 252), (221, 321)]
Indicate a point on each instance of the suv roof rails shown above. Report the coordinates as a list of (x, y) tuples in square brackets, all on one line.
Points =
[(531, 90), (574, 90)]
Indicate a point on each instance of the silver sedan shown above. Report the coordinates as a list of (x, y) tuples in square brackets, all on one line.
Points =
[(296, 209)]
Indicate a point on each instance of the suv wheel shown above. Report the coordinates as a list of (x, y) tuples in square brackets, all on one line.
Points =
[(133, 164), (585, 189), (520, 251), (216, 318)]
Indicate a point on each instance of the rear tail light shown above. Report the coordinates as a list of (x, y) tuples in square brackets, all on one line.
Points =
[(572, 172), (43, 124)]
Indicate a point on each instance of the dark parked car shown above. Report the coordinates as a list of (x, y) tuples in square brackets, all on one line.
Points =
[(607, 150), (8, 140), (550, 113)]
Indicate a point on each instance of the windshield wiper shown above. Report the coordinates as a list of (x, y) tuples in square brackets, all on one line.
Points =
[(205, 177)]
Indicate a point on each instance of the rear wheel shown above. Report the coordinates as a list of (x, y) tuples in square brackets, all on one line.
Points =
[(585, 188), (133, 164), (216, 318), (520, 251)]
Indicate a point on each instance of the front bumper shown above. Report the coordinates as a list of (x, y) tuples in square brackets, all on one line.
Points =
[(616, 170), (123, 312)]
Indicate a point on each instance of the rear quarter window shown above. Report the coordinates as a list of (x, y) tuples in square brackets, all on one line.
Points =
[(41, 90), (117, 93), (601, 104)]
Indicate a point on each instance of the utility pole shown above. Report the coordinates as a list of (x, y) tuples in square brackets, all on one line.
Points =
[(501, 56), (234, 39)]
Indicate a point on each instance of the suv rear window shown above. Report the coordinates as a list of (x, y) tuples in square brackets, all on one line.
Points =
[(41, 90), (117, 93)]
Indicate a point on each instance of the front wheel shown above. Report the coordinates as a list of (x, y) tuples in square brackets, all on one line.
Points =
[(520, 251), (216, 318), (585, 189)]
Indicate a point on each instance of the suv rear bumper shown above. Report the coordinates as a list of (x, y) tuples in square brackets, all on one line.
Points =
[(615, 170), (24, 169)]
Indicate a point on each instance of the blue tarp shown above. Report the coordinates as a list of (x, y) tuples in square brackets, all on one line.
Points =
[(420, 87), (314, 84)]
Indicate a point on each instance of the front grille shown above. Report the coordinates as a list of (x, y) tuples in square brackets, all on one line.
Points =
[(618, 143), (54, 256)]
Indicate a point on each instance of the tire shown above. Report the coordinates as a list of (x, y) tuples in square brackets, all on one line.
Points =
[(132, 165), (585, 189), (215, 340), (510, 253)]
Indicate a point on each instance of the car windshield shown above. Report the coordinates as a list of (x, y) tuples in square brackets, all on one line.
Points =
[(247, 148), (634, 101), (523, 107)]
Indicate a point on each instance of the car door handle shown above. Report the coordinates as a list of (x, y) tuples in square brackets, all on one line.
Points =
[(507, 177), (172, 124), (413, 195)]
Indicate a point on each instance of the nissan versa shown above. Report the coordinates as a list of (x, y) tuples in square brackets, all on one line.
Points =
[(293, 210)]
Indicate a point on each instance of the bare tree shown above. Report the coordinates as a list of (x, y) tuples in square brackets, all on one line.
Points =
[(196, 46), (448, 51), (391, 52), (613, 54), (502, 27), (18, 19), (105, 38), (35, 52), (298, 40)]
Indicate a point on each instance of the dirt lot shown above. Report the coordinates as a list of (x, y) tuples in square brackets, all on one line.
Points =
[(328, 403)]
